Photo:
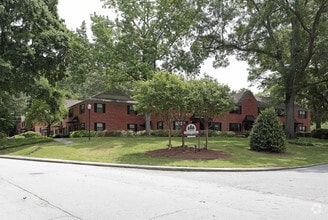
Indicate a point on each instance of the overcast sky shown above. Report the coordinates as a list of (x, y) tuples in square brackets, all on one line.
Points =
[(75, 11)]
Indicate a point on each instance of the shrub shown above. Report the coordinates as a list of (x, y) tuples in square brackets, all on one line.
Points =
[(30, 134), (2, 135), (211, 133), (19, 137), (227, 134), (303, 134), (267, 133), (141, 133), (127, 133), (111, 133), (83, 133), (165, 133), (320, 133), (160, 133), (301, 142)]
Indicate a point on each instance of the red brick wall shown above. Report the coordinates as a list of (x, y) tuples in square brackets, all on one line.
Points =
[(248, 107), (117, 118)]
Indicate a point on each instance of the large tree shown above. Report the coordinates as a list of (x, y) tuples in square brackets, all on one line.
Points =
[(165, 95), (83, 80), (277, 38), (146, 36), (210, 99), (47, 107), (33, 43), (12, 107)]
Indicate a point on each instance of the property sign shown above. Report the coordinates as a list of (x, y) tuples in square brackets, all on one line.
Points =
[(190, 130)]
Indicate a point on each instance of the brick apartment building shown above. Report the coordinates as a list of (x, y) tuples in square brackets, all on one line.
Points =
[(114, 111)]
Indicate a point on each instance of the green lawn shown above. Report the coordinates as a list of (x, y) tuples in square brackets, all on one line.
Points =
[(131, 150)]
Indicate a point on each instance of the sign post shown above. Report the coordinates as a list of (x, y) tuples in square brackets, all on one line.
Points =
[(191, 130)]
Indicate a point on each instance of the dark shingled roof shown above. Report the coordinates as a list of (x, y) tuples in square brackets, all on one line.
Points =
[(112, 96)]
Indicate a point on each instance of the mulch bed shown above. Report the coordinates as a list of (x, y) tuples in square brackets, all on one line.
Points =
[(188, 153)]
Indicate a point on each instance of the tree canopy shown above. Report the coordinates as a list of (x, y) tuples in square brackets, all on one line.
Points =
[(47, 107), (210, 99), (33, 43), (165, 95), (173, 98), (146, 36), (277, 38)]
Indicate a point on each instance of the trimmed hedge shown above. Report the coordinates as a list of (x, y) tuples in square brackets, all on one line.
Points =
[(320, 133), (158, 133), (83, 133), (267, 133)]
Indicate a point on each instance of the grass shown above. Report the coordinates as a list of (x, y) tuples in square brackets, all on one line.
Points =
[(10, 143), (131, 150)]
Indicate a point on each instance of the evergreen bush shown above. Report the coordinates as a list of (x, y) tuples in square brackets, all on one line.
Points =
[(267, 133), (320, 133)]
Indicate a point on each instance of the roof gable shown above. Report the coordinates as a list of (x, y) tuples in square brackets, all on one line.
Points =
[(241, 96)]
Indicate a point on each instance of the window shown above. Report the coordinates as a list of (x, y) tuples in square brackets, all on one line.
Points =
[(100, 108), (236, 127), (302, 128), (215, 126), (82, 126), (100, 126), (236, 110), (177, 125), (302, 114), (131, 111), (82, 108), (132, 127), (70, 112), (160, 125)]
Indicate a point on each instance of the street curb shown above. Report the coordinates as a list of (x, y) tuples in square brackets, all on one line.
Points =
[(161, 168)]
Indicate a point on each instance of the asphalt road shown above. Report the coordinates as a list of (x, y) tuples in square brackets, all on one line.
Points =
[(39, 190)]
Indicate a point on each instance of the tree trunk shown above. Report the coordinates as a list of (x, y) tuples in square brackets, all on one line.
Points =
[(289, 106), (48, 132), (148, 119), (170, 138), (318, 118), (206, 135)]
